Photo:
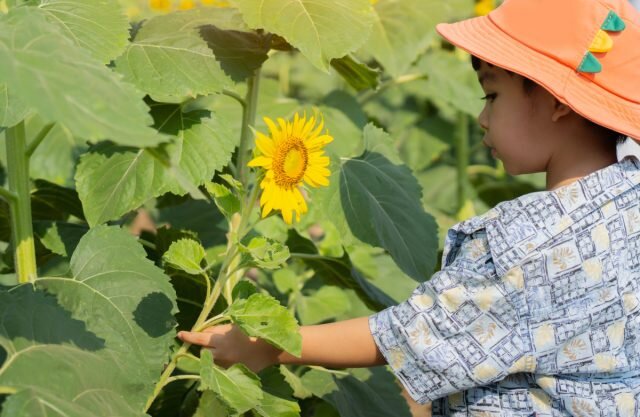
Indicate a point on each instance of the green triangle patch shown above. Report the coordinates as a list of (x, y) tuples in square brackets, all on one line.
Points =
[(613, 23), (590, 64)]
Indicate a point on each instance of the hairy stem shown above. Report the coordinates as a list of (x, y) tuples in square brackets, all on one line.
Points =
[(248, 120), (21, 226)]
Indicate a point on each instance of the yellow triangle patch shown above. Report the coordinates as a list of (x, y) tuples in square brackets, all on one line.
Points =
[(602, 42)]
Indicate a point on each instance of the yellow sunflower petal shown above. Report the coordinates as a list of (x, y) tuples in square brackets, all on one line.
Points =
[(307, 128), (275, 133), (318, 141), (317, 131), (264, 144), (318, 179), (260, 161)]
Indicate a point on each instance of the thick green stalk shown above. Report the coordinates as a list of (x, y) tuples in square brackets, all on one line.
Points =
[(21, 227), (462, 158), (248, 120)]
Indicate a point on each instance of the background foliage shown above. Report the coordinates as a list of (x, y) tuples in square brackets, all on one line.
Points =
[(132, 119)]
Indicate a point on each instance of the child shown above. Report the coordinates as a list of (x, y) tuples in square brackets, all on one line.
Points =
[(536, 310)]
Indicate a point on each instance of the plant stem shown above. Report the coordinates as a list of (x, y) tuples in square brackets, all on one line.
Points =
[(211, 322), (21, 227), (208, 306), (462, 158), (248, 120), (39, 138), (235, 96), (8, 195), (407, 78)]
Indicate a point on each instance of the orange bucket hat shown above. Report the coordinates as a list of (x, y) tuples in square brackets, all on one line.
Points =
[(585, 52)]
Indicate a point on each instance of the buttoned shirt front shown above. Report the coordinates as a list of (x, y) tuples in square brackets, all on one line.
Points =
[(536, 310)]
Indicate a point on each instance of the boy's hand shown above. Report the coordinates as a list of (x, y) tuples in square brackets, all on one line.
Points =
[(230, 345)]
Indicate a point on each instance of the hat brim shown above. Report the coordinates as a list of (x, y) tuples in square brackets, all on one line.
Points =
[(482, 38)]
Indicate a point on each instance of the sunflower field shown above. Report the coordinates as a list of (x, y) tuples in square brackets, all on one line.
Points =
[(171, 165)]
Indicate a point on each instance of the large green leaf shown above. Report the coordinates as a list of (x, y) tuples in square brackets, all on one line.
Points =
[(382, 206), (451, 82), (360, 393), (320, 30), (263, 316), (57, 87), (169, 57), (113, 180), (12, 109), (402, 32), (338, 271), (99, 26), (325, 303), (103, 334), (237, 387)]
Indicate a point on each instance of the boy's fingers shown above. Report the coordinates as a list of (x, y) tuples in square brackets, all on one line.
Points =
[(195, 338)]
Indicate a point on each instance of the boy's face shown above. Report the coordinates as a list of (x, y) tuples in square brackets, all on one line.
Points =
[(517, 124)]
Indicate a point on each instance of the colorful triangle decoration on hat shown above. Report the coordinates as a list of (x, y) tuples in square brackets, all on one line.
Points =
[(613, 22), (590, 64), (602, 42)]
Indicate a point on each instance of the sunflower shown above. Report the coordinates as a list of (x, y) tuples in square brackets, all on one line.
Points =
[(292, 154), (484, 7)]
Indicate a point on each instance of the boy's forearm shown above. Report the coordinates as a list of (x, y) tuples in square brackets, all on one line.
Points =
[(344, 344)]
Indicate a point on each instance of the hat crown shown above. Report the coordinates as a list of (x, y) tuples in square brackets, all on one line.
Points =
[(565, 30)]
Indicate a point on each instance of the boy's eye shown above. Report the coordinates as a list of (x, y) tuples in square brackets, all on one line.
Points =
[(490, 97)]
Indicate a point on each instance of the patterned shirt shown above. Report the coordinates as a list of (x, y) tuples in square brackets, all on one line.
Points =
[(536, 310)]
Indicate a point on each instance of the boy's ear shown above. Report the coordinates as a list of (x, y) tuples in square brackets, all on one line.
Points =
[(559, 110)]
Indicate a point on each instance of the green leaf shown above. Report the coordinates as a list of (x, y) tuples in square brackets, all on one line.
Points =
[(356, 396), (237, 386), (320, 30), (211, 406), (169, 58), (294, 381), (382, 206), (357, 74), (273, 406), (227, 202), (97, 25), (263, 253), (402, 32), (113, 180), (117, 308), (12, 109), (326, 303), (239, 52), (57, 88), (187, 255), (59, 237), (339, 271), (286, 280), (263, 316), (451, 82)]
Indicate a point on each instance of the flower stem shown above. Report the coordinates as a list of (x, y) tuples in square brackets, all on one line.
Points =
[(209, 303), (21, 227), (248, 120)]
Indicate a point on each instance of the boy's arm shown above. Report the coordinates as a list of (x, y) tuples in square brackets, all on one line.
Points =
[(343, 344)]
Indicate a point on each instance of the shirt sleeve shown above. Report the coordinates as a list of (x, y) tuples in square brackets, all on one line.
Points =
[(456, 331)]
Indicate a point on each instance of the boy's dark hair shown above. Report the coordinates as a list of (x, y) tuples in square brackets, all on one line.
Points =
[(530, 85)]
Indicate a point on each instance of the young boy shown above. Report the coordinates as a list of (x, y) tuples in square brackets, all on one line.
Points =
[(536, 310)]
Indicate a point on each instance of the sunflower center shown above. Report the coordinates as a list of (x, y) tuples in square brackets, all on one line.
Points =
[(290, 162)]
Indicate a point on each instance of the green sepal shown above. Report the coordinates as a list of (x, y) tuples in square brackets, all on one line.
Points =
[(590, 64), (613, 22)]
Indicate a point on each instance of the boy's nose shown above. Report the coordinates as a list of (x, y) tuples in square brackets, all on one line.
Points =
[(482, 120)]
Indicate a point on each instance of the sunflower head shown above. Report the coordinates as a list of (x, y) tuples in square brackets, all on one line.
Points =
[(291, 155)]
